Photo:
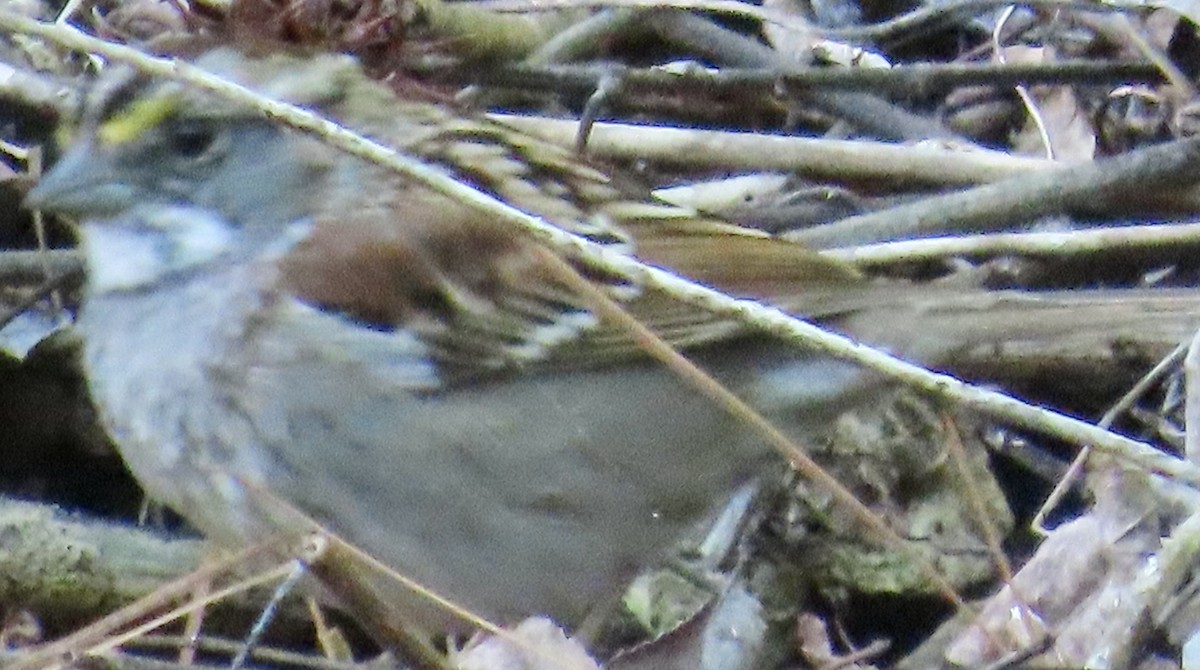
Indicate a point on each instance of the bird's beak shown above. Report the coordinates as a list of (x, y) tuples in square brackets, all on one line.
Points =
[(84, 181)]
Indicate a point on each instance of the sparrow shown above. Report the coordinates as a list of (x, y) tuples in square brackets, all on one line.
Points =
[(267, 319), (266, 316)]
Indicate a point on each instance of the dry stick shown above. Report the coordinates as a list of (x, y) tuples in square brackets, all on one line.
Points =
[(330, 641), (193, 624), (272, 575), (64, 649), (1160, 369), (33, 166), (213, 645), (1191, 368), (768, 319), (1027, 101), (842, 160), (880, 117), (1050, 244), (969, 491), (903, 78), (1019, 199)]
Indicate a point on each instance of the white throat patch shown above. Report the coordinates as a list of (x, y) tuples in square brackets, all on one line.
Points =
[(148, 245)]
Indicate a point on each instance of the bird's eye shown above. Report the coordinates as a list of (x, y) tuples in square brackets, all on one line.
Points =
[(191, 140)]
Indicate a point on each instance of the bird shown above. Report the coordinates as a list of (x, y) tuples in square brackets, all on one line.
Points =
[(264, 312), (266, 317)]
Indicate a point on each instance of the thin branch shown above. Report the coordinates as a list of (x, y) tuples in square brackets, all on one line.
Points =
[(1044, 245), (1021, 199), (906, 79), (819, 158)]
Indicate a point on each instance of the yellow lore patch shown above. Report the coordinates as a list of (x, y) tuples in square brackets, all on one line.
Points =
[(140, 116)]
